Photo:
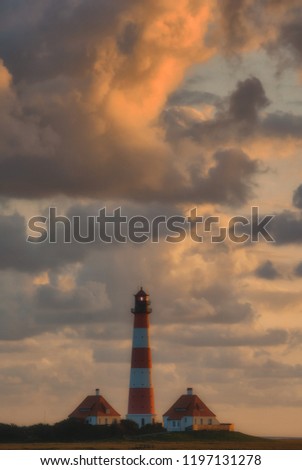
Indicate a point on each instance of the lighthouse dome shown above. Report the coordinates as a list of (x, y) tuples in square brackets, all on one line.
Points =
[(141, 294), (142, 302)]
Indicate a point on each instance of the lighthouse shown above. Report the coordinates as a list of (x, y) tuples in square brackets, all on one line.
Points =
[(141, 394)]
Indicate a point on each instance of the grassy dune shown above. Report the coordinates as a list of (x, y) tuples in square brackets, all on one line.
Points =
[(186, 441)]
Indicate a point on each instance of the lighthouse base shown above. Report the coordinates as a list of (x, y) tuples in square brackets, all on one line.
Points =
[(142, 419)]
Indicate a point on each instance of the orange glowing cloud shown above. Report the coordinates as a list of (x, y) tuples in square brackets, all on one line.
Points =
[(133, 89)]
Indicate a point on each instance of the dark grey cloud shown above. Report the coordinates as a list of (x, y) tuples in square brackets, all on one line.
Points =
[(16, 253), (297, 197), (282, 125), (225, 306), (128, 38), (267, 270), (49, 297), (272, 337), (237, 117), (274, 369), (228, 181), (56, 41), (233, 21), (247, 100), (231, 176), (286, 228), (54, 307), (226, 357), (290, 37), (298, 270), (33, 309)]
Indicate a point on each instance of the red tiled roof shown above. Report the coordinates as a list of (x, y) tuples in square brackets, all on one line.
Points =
[(188, 405), (93, 405)]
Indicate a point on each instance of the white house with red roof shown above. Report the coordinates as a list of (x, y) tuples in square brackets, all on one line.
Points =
[(190, 413), (94, 409)]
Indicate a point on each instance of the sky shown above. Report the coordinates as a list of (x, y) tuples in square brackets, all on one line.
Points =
[(156, 107)]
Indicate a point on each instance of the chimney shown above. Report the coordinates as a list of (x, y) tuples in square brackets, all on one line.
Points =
[(189, 391), (97, 392)]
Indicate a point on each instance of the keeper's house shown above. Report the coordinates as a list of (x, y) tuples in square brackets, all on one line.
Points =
[(189, 413), (94, 409)]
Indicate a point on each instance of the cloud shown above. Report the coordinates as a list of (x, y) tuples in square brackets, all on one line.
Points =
[(247, 100), (233, 16), (298, 270), (184, 97), (281, 125), (49, 303), (114, 146), (133, 66), (16, 253), (238, 119), (297, 197), (226, 308), (36, 53), (198, 337), (80, 305), (290, 38), (233, 175), (274, 369), (267, 271), (20, 134), (51, 176), (129, 38), (111, 144), (248, 24), (286, 228)]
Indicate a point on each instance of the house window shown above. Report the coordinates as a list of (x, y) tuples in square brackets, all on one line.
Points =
[(195, 420), (106, 421), (173, 424), (200, 420), (210, 421), (185, 420)]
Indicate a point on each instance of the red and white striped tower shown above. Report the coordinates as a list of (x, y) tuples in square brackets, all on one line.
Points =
[(141, 395)]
